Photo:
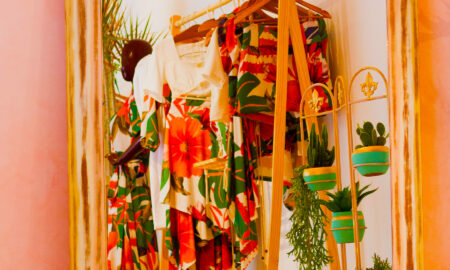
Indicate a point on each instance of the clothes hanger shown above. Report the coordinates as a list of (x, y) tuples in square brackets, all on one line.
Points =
[(192, 34), (303, 9)]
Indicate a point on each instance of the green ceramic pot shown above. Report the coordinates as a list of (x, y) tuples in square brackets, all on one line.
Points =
[(342, 227), (371, 160), (321, 178)]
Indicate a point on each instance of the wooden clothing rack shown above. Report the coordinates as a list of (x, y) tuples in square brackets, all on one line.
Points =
[(288, 26)]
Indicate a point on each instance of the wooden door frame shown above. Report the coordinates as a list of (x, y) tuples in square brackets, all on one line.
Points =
[(85, 134)]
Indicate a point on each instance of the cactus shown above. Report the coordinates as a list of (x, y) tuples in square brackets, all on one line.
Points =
[(369, 136), (318, 154)]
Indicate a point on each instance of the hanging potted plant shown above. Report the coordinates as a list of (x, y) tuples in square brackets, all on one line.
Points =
[(340, 204), (372, 157), (320, 175), (307, 235)]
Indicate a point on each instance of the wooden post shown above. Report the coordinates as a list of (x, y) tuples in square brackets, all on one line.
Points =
[(279, 133), (404, 127), (87, 199)]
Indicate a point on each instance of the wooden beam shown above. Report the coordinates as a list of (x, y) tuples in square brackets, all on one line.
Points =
[(404, 121), (85, 135), (279, 133)]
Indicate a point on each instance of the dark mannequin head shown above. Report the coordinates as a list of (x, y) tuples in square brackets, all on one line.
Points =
[(132, 52)]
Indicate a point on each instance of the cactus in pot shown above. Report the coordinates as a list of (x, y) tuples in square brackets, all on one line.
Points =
[(369, 136), (371, 158), (320, 174)]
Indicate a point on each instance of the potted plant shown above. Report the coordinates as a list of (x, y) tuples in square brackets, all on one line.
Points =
[(340, 204), (320, 175), (372, 157), (307, 235), (379, 264)]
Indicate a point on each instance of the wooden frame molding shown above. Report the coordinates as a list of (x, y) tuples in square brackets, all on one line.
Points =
[(404, 119), (85, 134)]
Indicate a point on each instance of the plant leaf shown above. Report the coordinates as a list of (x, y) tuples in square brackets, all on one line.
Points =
[(368, 127), (381, 141), (374, 137), (381, 129), (365, 138)]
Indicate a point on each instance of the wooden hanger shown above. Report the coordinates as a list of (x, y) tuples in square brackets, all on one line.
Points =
[(192, 34), (303, 9)]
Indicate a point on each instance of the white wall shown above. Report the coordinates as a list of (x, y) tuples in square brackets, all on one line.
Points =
[(357, 38)]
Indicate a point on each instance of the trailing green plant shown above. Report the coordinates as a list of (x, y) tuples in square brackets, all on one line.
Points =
[(307, 235), (341, 200), (318, 154), (369, 136), (379, 264)]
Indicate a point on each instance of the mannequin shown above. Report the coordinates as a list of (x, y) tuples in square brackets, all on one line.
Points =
[(132, 53)]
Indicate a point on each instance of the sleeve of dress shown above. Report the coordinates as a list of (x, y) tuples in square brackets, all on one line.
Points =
[(148, 84), (216, 76)]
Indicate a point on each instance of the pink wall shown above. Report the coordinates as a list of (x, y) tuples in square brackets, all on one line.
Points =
[(34, 226), (434, 82)]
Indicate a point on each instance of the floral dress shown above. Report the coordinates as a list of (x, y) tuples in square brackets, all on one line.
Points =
[(195, 130), (242, 190), (131, 235)]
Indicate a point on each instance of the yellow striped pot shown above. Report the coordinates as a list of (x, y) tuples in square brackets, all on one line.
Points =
[(342, 226), (320, 178), (371, 160)]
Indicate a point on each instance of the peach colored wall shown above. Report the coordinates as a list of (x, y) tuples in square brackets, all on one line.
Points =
[(434, 83), (34, 227)]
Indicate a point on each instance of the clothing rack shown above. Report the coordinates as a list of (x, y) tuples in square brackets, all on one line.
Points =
[(177, 21), (288, 26), (202, 12)]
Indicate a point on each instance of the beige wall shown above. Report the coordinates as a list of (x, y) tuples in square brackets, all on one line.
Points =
[(34, 232), (434, 83)]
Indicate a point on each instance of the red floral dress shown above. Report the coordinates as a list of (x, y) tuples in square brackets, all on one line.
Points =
[(131, 235)]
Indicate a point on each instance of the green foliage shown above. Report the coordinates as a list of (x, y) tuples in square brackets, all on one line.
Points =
[(379, 264), (318, 153), (341, 200), (368, 135), (117, 31), (307, 235)]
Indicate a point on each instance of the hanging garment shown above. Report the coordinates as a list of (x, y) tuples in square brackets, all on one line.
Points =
[(241, 165), (255, 89), (131, 235), (197, 215)]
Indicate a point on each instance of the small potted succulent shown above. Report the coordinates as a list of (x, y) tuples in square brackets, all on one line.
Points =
[(372, 157), (320, 175), (379, 264), (340, 204)]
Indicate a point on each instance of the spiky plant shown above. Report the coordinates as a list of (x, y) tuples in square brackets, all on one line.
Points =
[(368, 135), (341, 200), (307, 235), (379, 264), (318, 154)]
